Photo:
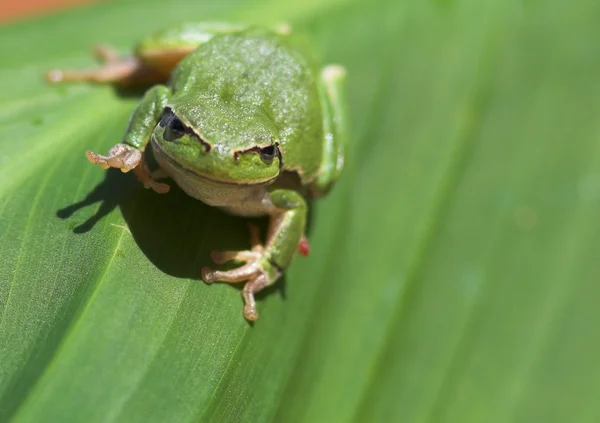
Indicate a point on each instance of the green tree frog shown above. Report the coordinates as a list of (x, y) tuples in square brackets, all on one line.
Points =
[(240, 118)]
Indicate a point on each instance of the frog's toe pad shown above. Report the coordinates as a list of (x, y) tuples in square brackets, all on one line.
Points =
[(158, 187), (250, 313), (207, 275)]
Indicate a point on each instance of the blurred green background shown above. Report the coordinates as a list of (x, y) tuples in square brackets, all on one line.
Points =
[(454, 269)]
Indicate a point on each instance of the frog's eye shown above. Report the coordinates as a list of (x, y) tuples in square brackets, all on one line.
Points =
[(267, 154), (174, 128)]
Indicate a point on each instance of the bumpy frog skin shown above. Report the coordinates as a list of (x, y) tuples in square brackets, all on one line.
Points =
[(246, 123)]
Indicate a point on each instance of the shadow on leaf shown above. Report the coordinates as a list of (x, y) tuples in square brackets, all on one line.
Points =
[(175, 231)]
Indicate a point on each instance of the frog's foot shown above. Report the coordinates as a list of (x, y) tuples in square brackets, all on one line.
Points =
[(126, 158), (257, 271), (148, 178), (121, 156)]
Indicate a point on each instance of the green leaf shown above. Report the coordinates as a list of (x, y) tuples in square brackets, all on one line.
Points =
[(454, 269)]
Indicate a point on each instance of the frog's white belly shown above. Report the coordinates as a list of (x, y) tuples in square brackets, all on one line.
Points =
[(251, 200)]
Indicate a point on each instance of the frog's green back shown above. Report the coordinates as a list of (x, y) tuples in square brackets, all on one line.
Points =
[(241, 89)]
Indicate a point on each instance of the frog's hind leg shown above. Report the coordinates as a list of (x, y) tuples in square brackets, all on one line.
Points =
[(113, 72), (123, 71), (264, 263), (154, 57)]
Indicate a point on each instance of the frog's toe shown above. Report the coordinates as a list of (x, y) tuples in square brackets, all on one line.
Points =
[(250, 313), (248, 271), (221, 257), (252, 287), (105, 54), (158, 187)]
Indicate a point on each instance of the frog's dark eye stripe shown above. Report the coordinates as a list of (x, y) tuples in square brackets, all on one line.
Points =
[(267, 154)]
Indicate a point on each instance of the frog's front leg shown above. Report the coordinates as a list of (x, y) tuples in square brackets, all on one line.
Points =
[(265, 264), (129, 155)]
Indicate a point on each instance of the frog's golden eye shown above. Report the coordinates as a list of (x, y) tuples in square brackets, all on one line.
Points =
[(267, 154), (174, 128)]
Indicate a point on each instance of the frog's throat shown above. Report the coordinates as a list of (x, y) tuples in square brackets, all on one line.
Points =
[(174, 164)]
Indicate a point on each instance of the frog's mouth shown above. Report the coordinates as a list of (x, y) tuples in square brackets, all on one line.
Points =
[(176, 171)]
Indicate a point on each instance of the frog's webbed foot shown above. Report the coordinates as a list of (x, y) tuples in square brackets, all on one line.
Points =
[(257, 271), (126, 158)]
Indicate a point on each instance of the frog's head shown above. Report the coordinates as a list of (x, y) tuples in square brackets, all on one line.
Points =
[(222, 145)]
